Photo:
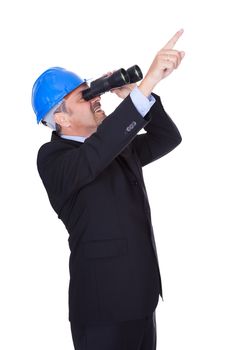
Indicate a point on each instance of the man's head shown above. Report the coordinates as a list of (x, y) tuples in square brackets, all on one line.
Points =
[(57, 101), (76, 116)]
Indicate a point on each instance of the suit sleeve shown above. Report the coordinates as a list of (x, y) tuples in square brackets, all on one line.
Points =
[(63, 170), (162, 135)]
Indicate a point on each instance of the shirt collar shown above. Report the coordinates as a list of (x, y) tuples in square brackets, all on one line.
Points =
[(73, 137)]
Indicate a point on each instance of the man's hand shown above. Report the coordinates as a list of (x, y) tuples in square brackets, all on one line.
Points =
[(124, 90), (166, 60)]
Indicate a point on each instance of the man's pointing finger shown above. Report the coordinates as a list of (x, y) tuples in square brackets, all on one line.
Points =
[(171, 43)]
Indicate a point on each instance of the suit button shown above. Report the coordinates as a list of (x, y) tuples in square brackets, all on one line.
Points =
[(134, 182)]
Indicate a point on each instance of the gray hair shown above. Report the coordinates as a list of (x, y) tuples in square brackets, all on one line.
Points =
[(49, 121)]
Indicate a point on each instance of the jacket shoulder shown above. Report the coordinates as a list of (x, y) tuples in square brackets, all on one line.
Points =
[(50, 149)]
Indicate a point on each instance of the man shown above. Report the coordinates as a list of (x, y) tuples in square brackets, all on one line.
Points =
[(92, 172)]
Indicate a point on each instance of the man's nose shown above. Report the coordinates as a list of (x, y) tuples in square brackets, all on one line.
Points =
[(96, 98)]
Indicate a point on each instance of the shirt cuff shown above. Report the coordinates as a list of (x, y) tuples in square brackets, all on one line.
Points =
[(142, 103)]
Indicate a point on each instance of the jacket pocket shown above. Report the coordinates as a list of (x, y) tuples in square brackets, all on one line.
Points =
[(105, 248)]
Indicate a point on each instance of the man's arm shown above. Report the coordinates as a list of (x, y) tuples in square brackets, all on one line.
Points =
[(162, 135)]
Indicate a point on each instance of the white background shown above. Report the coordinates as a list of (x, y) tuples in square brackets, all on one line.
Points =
[(190, 189)]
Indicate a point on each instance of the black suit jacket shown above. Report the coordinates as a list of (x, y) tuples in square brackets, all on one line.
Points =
[(97, 190)]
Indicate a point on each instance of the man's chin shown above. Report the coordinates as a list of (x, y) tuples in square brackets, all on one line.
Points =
[(99, 116)]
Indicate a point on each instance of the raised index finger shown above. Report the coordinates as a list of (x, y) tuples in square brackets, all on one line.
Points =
[(171, 43)]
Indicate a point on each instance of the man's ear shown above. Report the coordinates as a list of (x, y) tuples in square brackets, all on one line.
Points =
[(62, 119)]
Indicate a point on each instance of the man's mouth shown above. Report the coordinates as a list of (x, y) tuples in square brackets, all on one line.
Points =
[(96, 107)]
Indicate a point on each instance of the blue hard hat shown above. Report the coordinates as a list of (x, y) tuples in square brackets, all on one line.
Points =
[(51, 87)]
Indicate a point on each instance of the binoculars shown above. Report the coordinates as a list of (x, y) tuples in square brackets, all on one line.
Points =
[(117, 79)]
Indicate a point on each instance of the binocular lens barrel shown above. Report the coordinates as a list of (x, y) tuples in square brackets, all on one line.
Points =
[(117, 79), (135, 74)]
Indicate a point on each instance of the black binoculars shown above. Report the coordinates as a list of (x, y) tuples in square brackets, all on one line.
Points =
[(117, 79)]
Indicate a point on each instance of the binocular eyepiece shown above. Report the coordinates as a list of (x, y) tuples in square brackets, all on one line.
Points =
[(117, 79)]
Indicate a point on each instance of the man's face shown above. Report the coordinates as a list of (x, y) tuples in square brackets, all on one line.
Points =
[(84, 116)]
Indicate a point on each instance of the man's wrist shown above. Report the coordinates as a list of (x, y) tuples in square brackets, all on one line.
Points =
[(141, 102), (147, 85)]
